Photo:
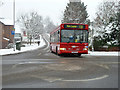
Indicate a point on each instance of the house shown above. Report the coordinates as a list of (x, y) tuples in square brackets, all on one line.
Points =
[(5, 34)]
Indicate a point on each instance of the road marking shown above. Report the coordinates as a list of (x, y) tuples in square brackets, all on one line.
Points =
[(46, 78), (14, 66), (111, 62), (39, 54), (53, 79), (84, 80), (103, 66), (48, 50), (47, 45), (28, 60), (23, 63)]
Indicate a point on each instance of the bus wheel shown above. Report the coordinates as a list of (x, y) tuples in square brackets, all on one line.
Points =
[(79, 55), (51, 50), (56, 50)]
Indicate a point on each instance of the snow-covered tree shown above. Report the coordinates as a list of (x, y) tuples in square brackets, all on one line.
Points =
[(75, 12), (48, 25), (106, 10), (31, 23), (114, 27), (107, 24), (1, 3)]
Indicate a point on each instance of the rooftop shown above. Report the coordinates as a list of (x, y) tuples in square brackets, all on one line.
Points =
[(6, 21)]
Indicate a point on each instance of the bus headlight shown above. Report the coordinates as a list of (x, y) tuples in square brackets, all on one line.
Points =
[(62, 48), (85, 48)]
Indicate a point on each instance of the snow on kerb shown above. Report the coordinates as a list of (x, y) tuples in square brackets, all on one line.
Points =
[(103, 53), (23, 49)]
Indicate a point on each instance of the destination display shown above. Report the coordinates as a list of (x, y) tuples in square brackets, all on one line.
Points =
[(74, 26)]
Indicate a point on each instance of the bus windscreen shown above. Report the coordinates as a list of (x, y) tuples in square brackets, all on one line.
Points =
[(74, 36)]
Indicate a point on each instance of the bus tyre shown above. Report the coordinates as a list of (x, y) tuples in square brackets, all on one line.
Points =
[(56, 50), (51, 50), (79, 55)]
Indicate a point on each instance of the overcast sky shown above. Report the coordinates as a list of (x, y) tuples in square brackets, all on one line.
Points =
[(52, 8)]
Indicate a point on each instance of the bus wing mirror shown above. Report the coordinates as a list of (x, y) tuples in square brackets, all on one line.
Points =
[(58, 32)]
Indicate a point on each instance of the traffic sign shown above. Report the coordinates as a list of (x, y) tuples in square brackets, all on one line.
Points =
[(13, 32)]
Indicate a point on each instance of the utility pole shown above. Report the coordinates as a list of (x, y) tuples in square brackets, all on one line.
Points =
[(14, 22), (92, 37)]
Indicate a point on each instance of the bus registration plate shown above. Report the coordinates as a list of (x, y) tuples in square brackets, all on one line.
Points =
[(74, 52)]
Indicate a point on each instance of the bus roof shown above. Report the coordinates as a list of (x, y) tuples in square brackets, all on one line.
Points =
[(74, 23)]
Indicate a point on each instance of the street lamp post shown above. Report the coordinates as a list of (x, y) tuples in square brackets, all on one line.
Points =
[(92, 37), (14, 22)]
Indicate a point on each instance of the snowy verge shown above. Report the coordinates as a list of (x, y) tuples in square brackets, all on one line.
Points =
[(23, 49), (103, 53)]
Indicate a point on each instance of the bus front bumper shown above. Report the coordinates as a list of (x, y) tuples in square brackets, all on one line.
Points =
[(74, 52)]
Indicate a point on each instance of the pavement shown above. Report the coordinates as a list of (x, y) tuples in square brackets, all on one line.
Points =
[(27, 48)]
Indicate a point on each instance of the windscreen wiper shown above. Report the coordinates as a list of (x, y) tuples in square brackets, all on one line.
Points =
[(80, 42), (68, 42)]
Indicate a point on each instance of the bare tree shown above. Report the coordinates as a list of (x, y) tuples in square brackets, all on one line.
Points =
[(31, 23), (49, 25)]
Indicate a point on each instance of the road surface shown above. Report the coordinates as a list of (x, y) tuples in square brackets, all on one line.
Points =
[(43, 69)]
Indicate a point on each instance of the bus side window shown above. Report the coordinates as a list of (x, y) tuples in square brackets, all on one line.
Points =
[(58, 35), (50, 38), (54, 37), (58, 31)]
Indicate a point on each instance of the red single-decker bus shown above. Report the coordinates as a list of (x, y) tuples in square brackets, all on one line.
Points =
[(70, 38)]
